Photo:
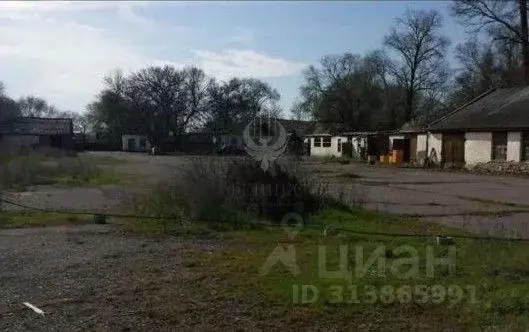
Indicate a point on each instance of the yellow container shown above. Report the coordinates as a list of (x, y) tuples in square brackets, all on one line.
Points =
[(397, 156)]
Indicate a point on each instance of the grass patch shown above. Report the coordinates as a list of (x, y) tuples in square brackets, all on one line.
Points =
[(488, 285), (24, 219), (100, 160), (43, 167)]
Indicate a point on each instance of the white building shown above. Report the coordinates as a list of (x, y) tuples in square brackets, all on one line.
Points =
[(135, 143), (492, 127), (333, 141)]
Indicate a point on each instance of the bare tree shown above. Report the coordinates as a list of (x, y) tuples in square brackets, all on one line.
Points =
[(36, 106), (158, 96), (416, 40), (504, 20), (8, 107)]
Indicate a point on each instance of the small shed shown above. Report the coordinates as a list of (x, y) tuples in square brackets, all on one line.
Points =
[(135, 143)]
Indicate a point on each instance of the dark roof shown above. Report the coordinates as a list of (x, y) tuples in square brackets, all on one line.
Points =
[(493, 110), (37, 126)]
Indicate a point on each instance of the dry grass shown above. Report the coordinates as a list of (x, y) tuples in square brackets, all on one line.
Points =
[(234, 193), (49, 166)]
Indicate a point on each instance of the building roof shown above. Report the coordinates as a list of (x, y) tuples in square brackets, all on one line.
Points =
[(37, 126), (493, 110)]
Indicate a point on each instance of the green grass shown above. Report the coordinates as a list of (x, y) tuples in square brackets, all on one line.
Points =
[(100, 160), (39, 219), (50, 167), (498, 271), (101, 177)]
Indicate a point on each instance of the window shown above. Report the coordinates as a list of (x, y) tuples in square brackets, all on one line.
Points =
[(339, 145), (326, 142), (499, 146), (525, 146), (317, 142), (143, 143)]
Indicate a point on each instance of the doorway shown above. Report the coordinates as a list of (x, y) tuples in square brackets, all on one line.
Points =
[(453, 149), (131, 144)]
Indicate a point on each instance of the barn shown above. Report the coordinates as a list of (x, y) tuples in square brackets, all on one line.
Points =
[(34, 132), (492, 127)]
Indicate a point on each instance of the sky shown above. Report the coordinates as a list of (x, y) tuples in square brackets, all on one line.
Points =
[(61, 51)]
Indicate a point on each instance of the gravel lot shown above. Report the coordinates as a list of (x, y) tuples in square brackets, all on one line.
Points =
[(487, 205), (86, 278)]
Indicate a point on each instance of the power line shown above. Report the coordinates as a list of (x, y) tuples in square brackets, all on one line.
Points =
[(274, 225)]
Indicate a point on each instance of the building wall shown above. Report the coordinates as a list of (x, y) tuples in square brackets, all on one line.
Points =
[(435, 144), (514, 140), (136, 138), (14, 142), (478, 147), (327, 151), (421, 147), (359, 145)]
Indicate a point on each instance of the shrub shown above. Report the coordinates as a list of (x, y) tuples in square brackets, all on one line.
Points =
[(233, 191), (25, 169)]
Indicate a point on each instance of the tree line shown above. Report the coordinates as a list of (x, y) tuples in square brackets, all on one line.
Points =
[(165, 102), (409, 78)]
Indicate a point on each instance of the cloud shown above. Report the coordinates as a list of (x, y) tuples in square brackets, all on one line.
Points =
[(58, 6), (64, 61), (55, 49), (243, 63)]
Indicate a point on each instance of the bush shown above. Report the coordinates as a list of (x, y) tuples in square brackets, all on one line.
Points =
[(33, 168), (23, 171), (234, 191)]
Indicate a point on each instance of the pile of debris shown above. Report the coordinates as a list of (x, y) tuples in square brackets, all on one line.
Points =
[(501, 168)]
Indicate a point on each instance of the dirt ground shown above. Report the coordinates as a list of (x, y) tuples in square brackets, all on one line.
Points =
[(89, 278)]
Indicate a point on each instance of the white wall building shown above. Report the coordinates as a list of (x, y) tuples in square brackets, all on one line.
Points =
[(492, 127), (135, 143), (326, 145)]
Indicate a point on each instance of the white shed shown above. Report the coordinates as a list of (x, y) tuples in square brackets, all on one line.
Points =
[(135, 143)]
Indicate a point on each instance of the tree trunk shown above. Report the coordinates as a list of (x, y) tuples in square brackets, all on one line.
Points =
[(525, 36)]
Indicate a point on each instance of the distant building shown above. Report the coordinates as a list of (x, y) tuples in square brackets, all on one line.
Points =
[(33, 132), (135, 143), (232, 142)]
